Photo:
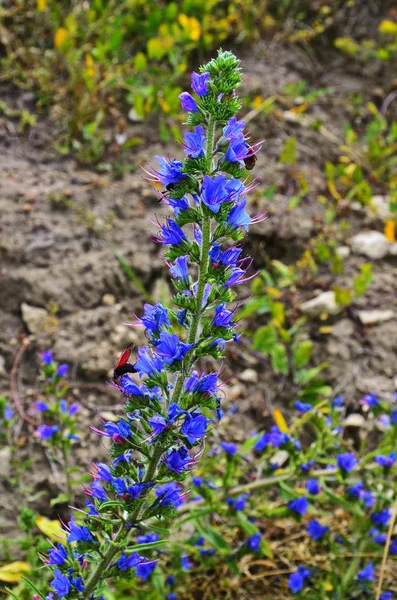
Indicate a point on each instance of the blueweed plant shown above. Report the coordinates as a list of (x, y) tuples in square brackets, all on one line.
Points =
[(58, 419), (170, 402)]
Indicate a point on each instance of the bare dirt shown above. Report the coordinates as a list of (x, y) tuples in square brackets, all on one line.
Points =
[(60, 226)]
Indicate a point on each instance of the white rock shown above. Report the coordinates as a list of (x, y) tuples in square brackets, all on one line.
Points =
[(323, 303), (381, 206), (343, 251), (5, 463), (354, 420), (134, 117), (393, 249), (279, 458), (34, 318), (249, 376), (370, 243), (108, 300), (371, 317), (2, 365)]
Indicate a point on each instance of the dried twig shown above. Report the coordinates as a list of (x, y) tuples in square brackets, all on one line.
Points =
[(14, 385), (386, 551)]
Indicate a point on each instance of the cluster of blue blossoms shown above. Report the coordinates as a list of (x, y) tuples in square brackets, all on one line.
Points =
[(170, 403)]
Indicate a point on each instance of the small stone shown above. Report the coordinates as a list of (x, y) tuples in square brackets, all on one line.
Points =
[(370, 243), (109, 416), (381, 206), (343, 252), (2, 365), (134, 117), (279, 458), (5, 463), (393, 249), (371, 317), (108, 300), (249, 376), (323, 303), (35, 318), (354, 420)]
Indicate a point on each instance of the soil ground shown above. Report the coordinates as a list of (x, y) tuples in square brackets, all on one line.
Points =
[(60, 226)]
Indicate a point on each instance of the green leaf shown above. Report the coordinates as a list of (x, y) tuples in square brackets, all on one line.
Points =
[(248, 527), (34, 588), (249, 444), (148, 546), (265, 339), (288, 152), (352, 508), (343, 296), (302, 353), (131, 275), (279, 359), (13, 596), (60, 499), (212, 536)]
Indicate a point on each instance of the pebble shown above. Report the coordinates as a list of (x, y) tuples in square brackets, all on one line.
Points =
[(370, 243), (371, 317), (108, 300), (323, 303), (249, 376), (5, 463), (381, 206), (354, 420), (35, 318), (343, 251)]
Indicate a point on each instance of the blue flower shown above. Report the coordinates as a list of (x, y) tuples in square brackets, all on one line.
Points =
[(297, 580), (155, 317), (386, 461), (58, 555), (316, 530), (185, 563), (346, 462), (171, 596), (299, 505), (169, 494), (130, 387), (178, 204), (159, 423), (233, 128), (78, 534), (194, 142), (237, 503), (386, 596), (254, 542), (368, 498), (378, 536), (98, 492), (230, 256), (302, 407), (171, 348), (135, 490), (148, 539), (8, 413), (145, 569), (188, 103), (229, 448), (60, 584), (120, 486), (63, 405), (338, 401), (355, 490), (147, 364), (197, 481), (45, 432), (46, 357), (200, 83), (62, 370), (223, 317), (170, 171), (178, 460), (127, 562), (237, 217), (214, 192), (381, 518), (194, 427), (41, 406), (313, 487), (366, 574), (170, 233), (73, 409), (78, 584), (238, 149), (180, 270), (206, 384), (370, 400)]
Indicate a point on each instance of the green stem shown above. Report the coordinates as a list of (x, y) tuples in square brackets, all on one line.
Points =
[(69, 488), (122, 533)]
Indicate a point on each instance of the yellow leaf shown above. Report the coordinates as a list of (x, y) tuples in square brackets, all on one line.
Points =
[(89, 61), (388, 27), (257, 101), (280, 421), (344, 159), (328, 587), (13, 572), (140, 62), (41, 5), (390, 230), (51, 529), (299, 109), (349, 170), (60, 37), (273, 292), (325, 329), (333, 191)]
